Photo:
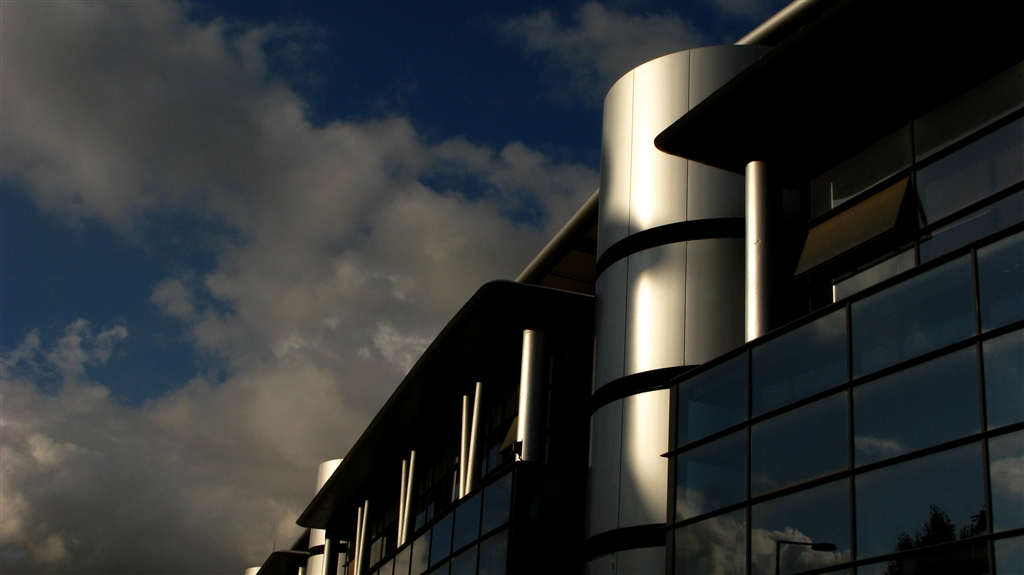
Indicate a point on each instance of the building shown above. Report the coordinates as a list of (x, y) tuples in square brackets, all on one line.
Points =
[(785, 336)]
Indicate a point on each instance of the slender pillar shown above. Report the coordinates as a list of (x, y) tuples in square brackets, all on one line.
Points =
[(531, 397), (402, 497), (464, 447), (359, 530), (330, 557), (404, 525), (362, 538), (474, 438), (763, 211)]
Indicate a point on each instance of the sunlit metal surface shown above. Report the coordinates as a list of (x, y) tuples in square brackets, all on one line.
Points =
[(616, 138), (603, 476), (655, 308), (714, 298), (532, 389), (643, 475), (610, 324)]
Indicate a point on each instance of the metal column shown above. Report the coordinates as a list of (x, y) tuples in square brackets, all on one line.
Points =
[(763, 211), (530, 432)]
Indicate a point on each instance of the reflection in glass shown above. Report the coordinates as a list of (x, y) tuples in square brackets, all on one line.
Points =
[(881, 160), (387, 568), (934, 499), (796, 365), (1010, 556), (713, 400), (420, 554), (402, 561), (974, 226), (717, 545), (925, 405), (441, 569), (875, 274), (493, 554), (1006, 471), (497, 501), (817, 515), (711, 476), (958, 559), (799, 445), (467, 522), (1004, 379), (441, 541), (1001, 282), (916, 316), (464, 563), (978, 170)]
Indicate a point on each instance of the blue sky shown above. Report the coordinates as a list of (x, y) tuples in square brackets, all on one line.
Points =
[(229, 228)]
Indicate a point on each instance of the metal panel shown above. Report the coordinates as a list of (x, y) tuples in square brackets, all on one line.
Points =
[(610, 323), (616, 141), (657, 180), (655, 308), (714, 298), (604, 565), (644, 561), (713, 193), (643, 479), (712, 67), (603, 475)]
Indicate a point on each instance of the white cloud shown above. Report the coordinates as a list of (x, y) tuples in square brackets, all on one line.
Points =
[(602, 44), (338, 267), (878, 447)]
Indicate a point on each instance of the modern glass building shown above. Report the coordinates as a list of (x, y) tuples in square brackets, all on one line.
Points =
[(785, 336)]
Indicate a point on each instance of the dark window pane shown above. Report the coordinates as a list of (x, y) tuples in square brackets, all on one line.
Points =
[(807, 360), (420, 554), (975, 172), (494, 554), (817, 515), (1004, 379), (388, 568), (441, 541), (464, 563), (934, 499), (925, 405), (467, 522), (974, 226), (1001, 282), (717, 545), (1010, 556), (799, 445), (877, 273), (441, 569), (712, 476), (713, 400), (402, 561), (375, 550), (860, 172), (497, 503), (958, 559), (914, 317), (1006, 471)]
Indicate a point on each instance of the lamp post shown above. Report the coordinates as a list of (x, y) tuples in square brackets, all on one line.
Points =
[(813, 546)]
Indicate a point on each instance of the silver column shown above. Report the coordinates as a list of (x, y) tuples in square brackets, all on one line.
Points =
[(402, 494), (762, 214), (474, 439), (404, 526), (317, 537), (531, 397), (330, 557), (464, 447)]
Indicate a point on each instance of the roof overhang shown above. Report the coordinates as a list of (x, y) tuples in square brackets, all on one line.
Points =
[(483, 340), (858, 72)]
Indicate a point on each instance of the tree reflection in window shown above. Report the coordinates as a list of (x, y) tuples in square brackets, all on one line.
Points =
[(937, 530)]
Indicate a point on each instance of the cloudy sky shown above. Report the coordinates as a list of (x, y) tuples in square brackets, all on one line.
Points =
[(228, 229)]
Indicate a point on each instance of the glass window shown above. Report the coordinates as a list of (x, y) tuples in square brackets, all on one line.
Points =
[(1001, 282), (713, 400), (881, 160), (418, 561), (716, 545), (467, 522), (969, 112), (875, 274), (464, 563), (1010, 556), (441, 569), (806, 360), (711, 476), (972, 173), (916, 316), (1006, 471), (817, 515), (934, 499), (1004, 379), (375, 550), (974, 226), (402, 561), (441, 541), (494, 554), (497, 503), (961, 559), (925, 405), (799, 445), (388, 568)]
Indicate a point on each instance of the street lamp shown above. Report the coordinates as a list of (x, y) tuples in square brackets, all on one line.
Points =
[(813, 546)]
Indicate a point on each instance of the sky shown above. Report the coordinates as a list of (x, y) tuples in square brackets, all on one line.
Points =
[(228, 229)]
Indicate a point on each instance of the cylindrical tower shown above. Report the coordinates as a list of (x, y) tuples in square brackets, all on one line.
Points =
[(317, 537), (670, 293)]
